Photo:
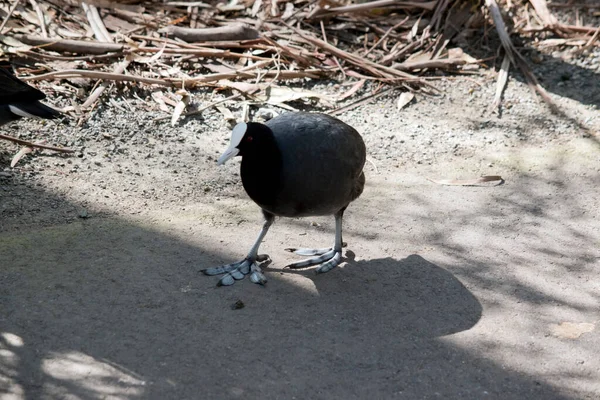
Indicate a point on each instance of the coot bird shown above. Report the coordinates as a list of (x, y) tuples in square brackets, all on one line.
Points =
[(296, 165), (18, 99)]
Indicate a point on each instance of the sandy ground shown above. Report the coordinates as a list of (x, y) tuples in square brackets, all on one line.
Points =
[(445, 293)]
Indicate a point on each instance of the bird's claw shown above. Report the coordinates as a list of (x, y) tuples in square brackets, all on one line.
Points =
[(328, 260), (238, 270), (311, 252)]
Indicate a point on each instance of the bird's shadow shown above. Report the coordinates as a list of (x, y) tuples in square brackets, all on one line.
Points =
[(412, 295)]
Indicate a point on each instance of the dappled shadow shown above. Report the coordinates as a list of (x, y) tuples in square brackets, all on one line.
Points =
[(103, 308), (567, 79), (528, 250), (558, 68)]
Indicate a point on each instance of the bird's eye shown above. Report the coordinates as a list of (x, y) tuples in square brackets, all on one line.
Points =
[(248, 138)]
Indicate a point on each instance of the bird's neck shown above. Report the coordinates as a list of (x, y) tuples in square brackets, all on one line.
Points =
[(261, 170)]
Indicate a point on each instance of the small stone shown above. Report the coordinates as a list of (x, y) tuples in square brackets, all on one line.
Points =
[(238, 305)]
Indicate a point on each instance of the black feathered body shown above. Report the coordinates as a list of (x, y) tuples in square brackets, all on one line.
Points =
[(311, 165), (17, 97)]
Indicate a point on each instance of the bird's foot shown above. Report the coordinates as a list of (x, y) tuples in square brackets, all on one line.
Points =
[(308, 252), (328, 258), (238, 270), (311, 252)]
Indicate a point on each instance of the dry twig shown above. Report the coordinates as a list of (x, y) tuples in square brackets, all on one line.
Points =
[(392, 4), (269, 39), (515, 57), (228, 32), (10, 12), (38, 145), (70, 46)]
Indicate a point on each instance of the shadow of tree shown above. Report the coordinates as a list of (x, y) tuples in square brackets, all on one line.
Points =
[(567, 79), (113, 308)]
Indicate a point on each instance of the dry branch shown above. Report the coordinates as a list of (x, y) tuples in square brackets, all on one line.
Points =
[(255, 44), (79, 73), (392, 4), (360, 102), (222, 33), (100, 89), (309, 73), (45, 56), (202, 109), (562, 28), (437, 64), (202, 52), (377, 70), (545, 15), (515, 57), (96, 23), (188, 4), (40, 16), (501, 83), (270, 39), (10, 12), (31, 144), (187, 83), (70, 46)]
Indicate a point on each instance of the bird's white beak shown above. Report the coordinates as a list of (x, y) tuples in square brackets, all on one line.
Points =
[(236, 138), (229, 153)]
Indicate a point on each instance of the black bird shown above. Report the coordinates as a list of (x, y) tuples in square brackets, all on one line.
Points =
[(296, 165), (18, 99)]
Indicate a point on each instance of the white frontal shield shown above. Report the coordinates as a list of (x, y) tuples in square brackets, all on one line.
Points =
[(236, 138)]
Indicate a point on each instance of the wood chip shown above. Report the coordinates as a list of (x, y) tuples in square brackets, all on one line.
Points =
[(469, 182), (404, 99)]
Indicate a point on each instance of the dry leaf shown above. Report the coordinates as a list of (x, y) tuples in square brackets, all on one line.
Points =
[(413, 32), (148, 60), (501, 83), (24, 150), (419, 56), (355, 88), (288, 12), (245, 87), (117, 24), (160, 99), (276, 95), (256, 7), (63, 31), (468, 182), (229, 117), (180, 106), (12, 44), (404, 99), (571, 330), (218, 68), (459, 54)]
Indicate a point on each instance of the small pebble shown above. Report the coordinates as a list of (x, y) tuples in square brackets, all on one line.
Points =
[(238, 305)]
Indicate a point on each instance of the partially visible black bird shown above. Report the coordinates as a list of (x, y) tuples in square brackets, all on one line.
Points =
[(296, 165), (18, 99)]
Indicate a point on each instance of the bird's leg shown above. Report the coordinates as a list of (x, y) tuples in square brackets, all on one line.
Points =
[(328, 258), (249, 265)]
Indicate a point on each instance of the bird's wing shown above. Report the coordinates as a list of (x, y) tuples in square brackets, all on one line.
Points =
[(13, 90)]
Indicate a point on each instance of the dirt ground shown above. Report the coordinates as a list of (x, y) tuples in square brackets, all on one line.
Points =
[(445, 293)]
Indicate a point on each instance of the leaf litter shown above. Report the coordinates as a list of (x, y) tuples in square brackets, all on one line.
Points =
[(271, 47)]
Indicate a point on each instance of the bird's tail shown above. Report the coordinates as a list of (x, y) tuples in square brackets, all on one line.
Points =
[(34, 110)]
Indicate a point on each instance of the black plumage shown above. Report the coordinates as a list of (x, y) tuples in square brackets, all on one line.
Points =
[(297, 165), (18, 99)]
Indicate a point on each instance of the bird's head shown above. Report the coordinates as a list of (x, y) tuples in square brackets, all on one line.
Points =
[(245, 138)]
